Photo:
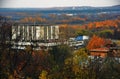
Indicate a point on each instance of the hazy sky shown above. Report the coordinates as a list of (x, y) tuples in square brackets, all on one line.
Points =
[(55, 3)]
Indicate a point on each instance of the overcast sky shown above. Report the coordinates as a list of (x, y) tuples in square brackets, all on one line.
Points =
[(55, 3)]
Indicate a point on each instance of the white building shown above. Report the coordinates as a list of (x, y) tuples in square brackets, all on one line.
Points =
[(79, 41), (35, 32)]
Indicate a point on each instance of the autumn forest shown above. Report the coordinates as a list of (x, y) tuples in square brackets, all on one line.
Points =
[(102, 25)]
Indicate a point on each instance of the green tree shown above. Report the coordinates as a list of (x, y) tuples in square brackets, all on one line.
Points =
[(76, 66), (106, 33), (82, 32), (60, 53), (110, 68)]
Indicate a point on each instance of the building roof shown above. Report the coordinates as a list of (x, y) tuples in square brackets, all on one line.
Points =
[(32, 24), (82, 37), (79, 38), (105, 50)]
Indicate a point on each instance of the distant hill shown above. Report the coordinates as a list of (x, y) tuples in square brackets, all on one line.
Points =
[(60, 10), (78, 11), (82, 8), (68, 8)]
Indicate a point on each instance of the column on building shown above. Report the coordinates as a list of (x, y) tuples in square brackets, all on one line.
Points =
[(27, 33), (14, 35), (22, 33), (18, 32), (45, 33), (56, 32), (33, 33), (42, 32), (38, 33), (49, 32)]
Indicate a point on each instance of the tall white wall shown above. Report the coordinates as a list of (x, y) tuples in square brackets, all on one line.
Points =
[(27, 33)]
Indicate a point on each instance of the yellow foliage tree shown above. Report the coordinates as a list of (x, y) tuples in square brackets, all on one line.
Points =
[(43, 75)]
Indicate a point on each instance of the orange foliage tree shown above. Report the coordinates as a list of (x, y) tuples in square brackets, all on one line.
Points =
[(97, 42), (103, 24)]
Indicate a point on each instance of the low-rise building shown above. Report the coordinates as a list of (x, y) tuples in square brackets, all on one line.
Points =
[(79, 41)]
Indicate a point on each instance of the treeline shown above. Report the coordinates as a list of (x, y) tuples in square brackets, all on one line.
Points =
[(66, 18), (52, 19)]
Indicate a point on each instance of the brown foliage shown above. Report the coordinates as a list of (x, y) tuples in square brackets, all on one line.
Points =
[(33, 19)]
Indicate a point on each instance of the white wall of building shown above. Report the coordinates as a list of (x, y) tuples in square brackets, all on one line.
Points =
[(26, 32), (85, 37)]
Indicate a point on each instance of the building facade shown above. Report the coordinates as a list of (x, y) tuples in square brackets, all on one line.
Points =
[(35, 32)]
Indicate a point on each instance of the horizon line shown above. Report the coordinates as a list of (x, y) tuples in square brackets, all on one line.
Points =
[(62, 7)]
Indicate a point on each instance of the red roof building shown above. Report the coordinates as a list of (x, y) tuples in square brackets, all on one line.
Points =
[(102, 52)]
